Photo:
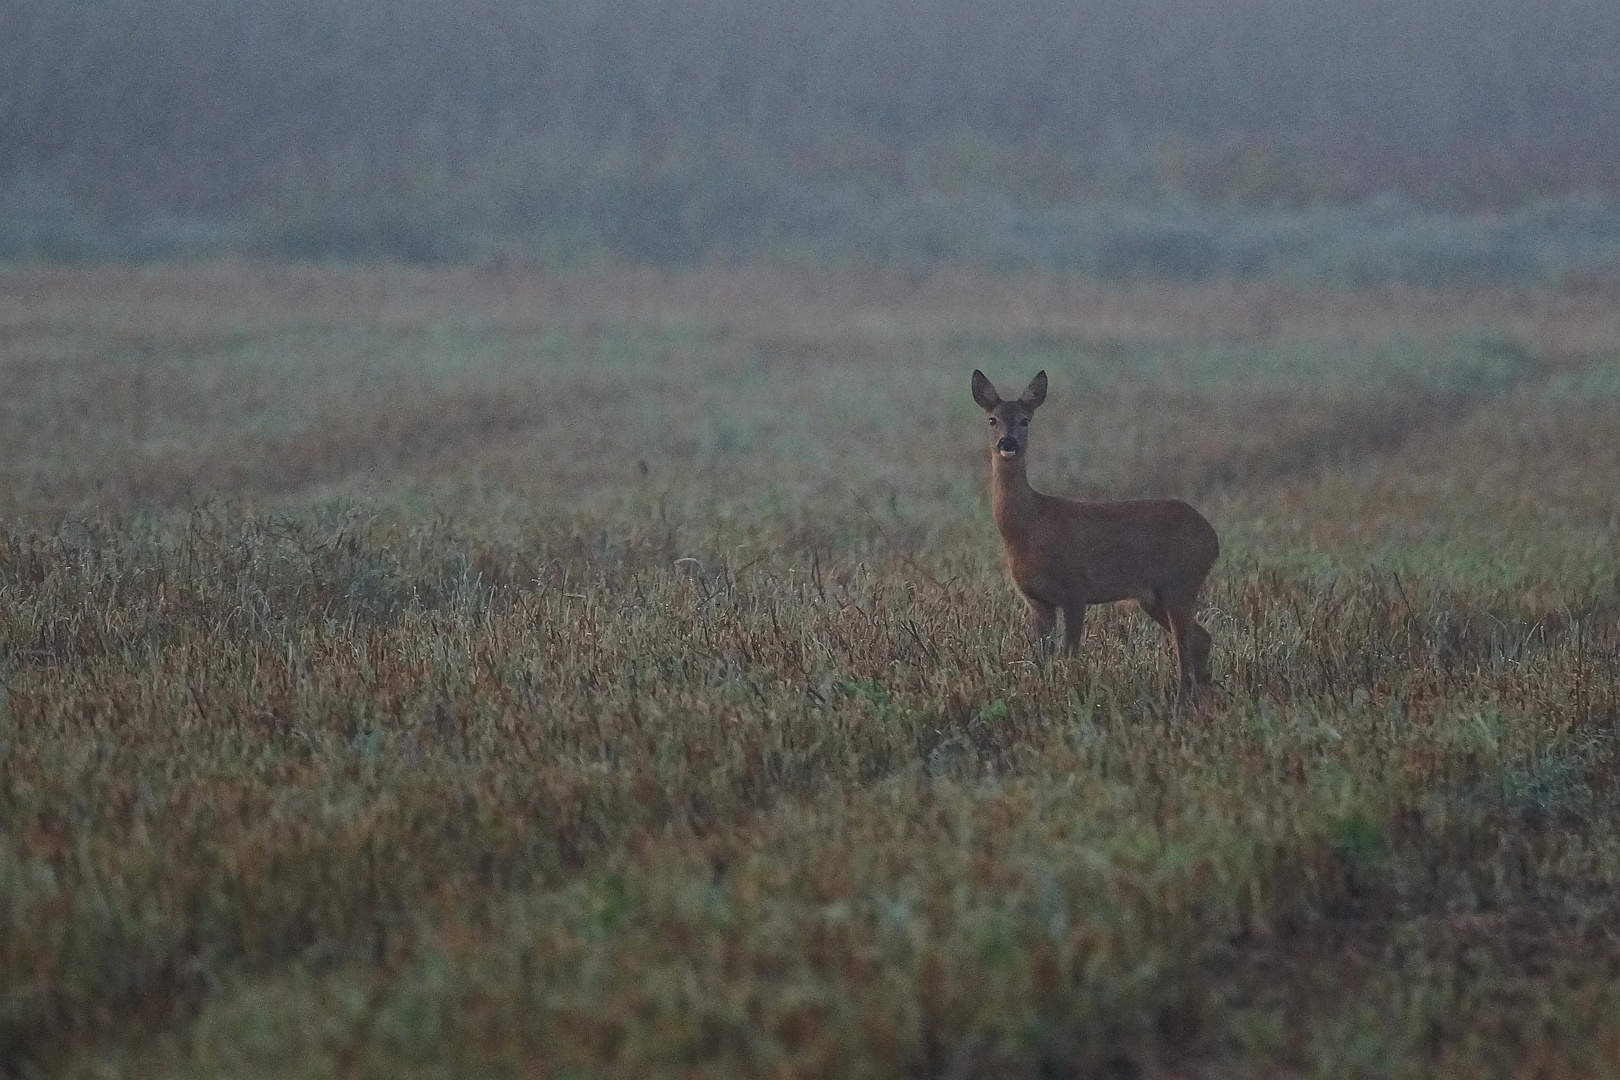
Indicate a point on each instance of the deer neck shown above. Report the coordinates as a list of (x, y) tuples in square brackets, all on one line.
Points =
[(1011, 497)]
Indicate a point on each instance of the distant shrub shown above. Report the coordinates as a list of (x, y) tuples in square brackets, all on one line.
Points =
[(690, 213)]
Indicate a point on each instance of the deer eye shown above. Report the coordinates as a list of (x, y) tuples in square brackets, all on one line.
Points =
[(992, 421), (1024, 422)]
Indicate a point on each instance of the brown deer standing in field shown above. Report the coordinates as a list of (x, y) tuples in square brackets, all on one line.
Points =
[(1066, 554)]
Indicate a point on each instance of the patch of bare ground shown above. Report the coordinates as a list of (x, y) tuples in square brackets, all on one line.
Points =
[(1268, 439)]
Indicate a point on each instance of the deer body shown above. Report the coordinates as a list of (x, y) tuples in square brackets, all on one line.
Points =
[(1064, 555)]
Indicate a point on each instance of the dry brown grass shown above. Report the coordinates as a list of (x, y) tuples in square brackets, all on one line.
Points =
[(478, 675)]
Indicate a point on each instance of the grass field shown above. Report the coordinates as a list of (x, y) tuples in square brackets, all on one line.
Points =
[(443, 674)]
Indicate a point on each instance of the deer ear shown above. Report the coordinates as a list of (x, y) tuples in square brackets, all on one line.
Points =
[(983, 392), (1035, 393)]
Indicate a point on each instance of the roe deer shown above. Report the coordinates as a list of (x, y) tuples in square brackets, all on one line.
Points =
[(1066, 554)]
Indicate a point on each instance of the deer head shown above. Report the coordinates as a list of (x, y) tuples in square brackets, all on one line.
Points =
[(1009, 420)]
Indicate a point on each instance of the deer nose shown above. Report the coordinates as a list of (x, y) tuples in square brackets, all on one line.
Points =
[(1007, 443)]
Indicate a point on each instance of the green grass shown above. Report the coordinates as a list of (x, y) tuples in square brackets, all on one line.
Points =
[(456, 675)]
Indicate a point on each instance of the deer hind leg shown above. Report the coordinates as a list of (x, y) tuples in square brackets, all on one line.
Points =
[(1192, 640), (1156, 610)]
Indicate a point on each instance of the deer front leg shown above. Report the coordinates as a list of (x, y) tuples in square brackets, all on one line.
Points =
[(1042, 618)]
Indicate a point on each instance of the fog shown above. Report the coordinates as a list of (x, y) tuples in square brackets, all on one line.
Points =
[(665, 131)]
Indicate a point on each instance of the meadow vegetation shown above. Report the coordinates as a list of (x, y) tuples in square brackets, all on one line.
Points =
[(412, 673)]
